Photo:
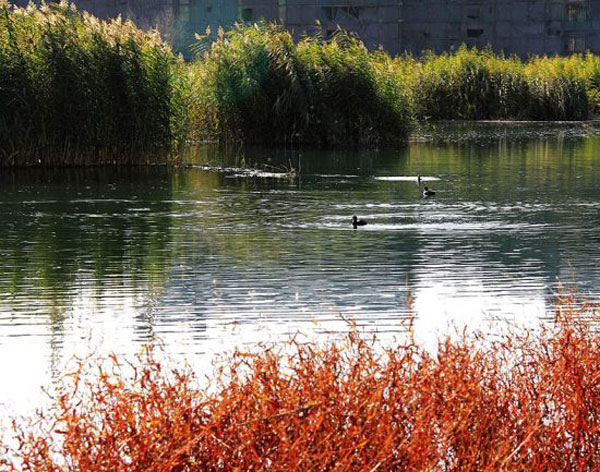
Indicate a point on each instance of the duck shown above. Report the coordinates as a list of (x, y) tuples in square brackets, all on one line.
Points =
[(427, 192), (356, 222)]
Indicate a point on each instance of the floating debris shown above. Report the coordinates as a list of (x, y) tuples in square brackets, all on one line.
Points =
[(337, 176), (406, 178), (240, 172)]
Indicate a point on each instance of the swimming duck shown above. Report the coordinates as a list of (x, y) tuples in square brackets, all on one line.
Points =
[(427, 192), (356, 222)]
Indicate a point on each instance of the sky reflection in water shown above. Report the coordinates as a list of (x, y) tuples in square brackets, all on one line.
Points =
[(108, 260)]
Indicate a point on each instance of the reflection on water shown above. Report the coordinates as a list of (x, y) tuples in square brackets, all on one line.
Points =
[(109, 259)]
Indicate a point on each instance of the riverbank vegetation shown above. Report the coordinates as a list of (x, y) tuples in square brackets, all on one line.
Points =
[(519, 401), (255, 84), (76, 90), (472, 84)]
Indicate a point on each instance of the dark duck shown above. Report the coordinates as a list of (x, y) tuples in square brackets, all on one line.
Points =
[(427, 192), (356, 222)]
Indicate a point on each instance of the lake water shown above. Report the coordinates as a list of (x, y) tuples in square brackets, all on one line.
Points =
[(109, 259)]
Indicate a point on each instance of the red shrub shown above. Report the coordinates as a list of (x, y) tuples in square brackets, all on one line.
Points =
[(520, 403)]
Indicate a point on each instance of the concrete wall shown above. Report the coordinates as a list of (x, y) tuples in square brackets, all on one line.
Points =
[(521, 27)]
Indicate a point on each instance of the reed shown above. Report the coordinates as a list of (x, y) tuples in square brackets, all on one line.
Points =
[(258, 85), (472, 84), (254, 84), (74, 89), (568, 86), (510, 403)]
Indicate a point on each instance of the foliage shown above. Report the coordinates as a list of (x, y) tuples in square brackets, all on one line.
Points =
[(258, 85), (77, 90), (71, 85), (474, 84), (567, 73), (514, 402)]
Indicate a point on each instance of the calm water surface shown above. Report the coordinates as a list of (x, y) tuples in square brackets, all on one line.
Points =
[(107, 259)]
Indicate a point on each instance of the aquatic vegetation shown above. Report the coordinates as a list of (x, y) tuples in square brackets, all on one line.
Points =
[(519, 401), (472, 84), (255, 84), (572, 77), (76, 90)]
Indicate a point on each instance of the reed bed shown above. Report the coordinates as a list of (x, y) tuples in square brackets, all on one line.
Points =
[(76, 90), (472, 84), (516, 402), (257, 85)]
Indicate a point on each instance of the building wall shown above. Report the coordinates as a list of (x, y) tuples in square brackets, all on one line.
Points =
[(522, 27)]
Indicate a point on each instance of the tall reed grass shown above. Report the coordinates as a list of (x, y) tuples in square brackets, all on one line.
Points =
[(255, 84), (510, 403), (472, 84), (74, 89)]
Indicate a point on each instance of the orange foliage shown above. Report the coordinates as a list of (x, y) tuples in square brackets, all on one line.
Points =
[(520, 403)]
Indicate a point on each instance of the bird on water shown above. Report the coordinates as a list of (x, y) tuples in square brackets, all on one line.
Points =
[(427, 192), (356, 222)]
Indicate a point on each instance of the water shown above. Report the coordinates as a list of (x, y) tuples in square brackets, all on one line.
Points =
[(107, 260)]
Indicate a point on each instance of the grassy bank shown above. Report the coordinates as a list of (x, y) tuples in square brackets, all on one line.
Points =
[(517, 402), (76, 90)]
